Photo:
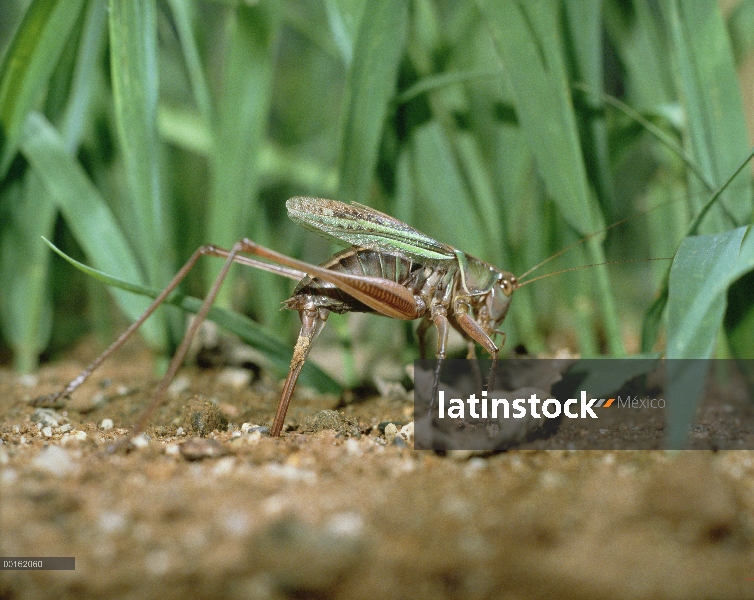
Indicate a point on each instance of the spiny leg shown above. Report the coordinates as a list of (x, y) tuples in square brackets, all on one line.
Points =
[(180, 354), (439, 316), (476, 333), (208, 250), (312, 321), (421, 334)]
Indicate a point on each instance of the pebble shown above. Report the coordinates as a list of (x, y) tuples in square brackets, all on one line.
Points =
[(251, 438), (308, 561), (47, 431), (54, 460), (201, 417), (407, 433), (199, 448), (224, 466), (112, 521), (236, 378), (47, 416), (106, 424), (140, 441), (329, 419), (399, 441), (28, 380), (291, 473), (236, 523), (180, 384), (349, 524), (8, 477), (390, 432)]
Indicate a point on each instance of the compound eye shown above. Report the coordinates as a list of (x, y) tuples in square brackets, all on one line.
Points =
[(508, 285)]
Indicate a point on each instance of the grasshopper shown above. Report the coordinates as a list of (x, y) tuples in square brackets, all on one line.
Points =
[(389, 268)]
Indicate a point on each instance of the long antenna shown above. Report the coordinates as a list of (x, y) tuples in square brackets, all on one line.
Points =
[(610, 262), (589, 237)]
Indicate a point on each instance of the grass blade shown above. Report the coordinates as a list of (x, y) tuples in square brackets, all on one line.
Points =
[(243, 114), (84, 210), (28, 64), (371, 85), (133, 66), (527, 39), (26, 305), (24, 262), (702, 272), (199, 86), (712, 100)]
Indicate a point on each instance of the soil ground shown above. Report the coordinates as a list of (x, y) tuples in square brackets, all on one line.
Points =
[(331, 509)]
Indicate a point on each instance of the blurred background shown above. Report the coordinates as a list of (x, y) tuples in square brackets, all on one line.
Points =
[(132, 133)]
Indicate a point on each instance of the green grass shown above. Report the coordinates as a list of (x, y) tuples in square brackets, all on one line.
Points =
[(131, 133)]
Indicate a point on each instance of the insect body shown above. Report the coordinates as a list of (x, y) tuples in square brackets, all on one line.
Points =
[(401, 273), (390, 268)]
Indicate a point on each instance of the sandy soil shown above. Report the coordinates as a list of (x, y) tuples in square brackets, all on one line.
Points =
[(332, 509)]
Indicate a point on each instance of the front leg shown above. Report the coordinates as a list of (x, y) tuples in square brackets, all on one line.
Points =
[(475, 331)]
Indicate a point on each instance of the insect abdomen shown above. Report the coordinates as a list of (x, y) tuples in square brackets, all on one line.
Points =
[(357, 261)]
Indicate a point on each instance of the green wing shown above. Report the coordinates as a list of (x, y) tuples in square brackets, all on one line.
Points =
[(359, 225)]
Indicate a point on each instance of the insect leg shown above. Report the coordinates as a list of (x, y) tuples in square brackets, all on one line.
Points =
[(421, 334), (439, 316), (381, 295), (180, 354), (475, 331), (312, 321), (207, 250)]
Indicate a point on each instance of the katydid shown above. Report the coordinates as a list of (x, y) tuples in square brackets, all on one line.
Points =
[(389, 268)]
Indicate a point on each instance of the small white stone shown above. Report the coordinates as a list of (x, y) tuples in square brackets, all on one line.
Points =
[(236, 378), (390, 432), (64, 428), (346, 524), (172, 449), (111, 521), (54, 460), (28, 379), (8, 476), (253, 437), (47, 431), (223, 466), (46, 416), (245, 427), (106, 424), (179, 431), (236, 523), (140, 441), (407, 432), (180, 384), (291, 473), (353, 447), (79, 435)]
